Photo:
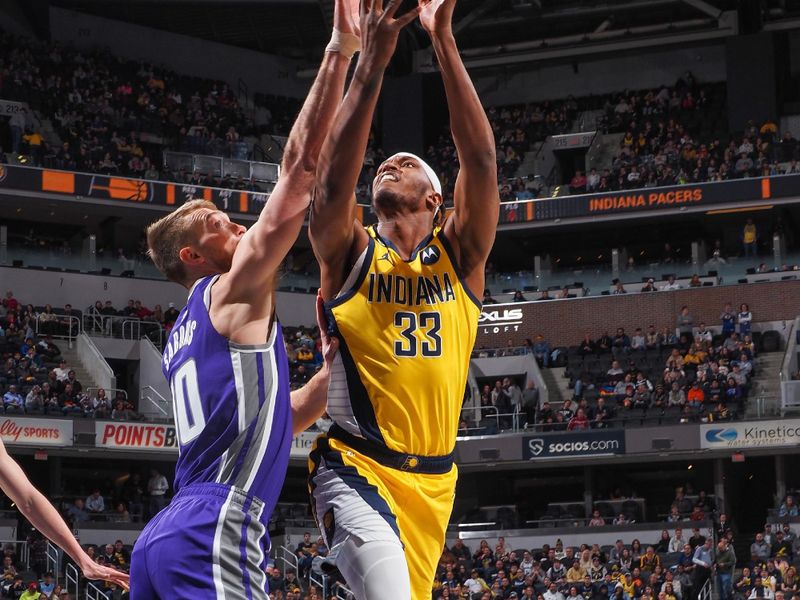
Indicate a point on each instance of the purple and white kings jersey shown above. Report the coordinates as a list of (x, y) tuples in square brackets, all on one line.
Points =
[(231, 404)]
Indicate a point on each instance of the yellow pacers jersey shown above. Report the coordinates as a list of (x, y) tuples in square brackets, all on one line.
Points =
[(407, 329)]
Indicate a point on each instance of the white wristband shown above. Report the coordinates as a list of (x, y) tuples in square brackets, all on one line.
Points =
[(345, 44)]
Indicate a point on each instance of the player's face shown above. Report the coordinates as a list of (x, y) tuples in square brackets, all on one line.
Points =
[(400, 180), (218, 238)]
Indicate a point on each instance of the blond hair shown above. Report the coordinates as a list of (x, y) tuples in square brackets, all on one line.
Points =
[(168, 235)]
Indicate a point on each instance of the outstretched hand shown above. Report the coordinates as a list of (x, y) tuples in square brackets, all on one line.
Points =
[(380, 29), (95, 572), (436, 16), (346, 17)]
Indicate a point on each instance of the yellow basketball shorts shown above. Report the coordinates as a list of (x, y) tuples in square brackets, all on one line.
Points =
[(354, 495)]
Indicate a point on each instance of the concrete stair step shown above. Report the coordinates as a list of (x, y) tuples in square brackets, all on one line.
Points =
[(557, 384)]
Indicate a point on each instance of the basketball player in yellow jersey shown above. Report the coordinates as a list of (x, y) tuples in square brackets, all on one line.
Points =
[(401, 297)]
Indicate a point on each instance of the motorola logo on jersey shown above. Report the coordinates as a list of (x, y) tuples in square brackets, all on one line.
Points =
[(430, 256)]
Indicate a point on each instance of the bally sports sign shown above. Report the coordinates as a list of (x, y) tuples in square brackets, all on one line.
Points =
[(753, 434), (36, 432)]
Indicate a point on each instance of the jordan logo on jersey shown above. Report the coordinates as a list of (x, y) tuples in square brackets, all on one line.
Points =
[(430, 255)]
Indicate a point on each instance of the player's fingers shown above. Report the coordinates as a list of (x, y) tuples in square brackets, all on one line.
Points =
[(364, 7), (392, 7), (322, 320), (408, 17)]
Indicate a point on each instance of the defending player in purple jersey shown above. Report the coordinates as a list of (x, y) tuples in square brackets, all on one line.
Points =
[(227, 369)]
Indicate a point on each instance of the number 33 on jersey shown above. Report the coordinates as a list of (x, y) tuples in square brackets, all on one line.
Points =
[(406, 331)]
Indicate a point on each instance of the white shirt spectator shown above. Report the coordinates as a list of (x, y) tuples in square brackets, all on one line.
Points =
[(705, 335), (548, 595), (157, 485), (676, 544), (61, 373), (768, 594), (95, 503), (674, 285), (475, 585)]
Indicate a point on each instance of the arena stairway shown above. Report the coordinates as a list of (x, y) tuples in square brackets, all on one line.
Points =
[(81, 374), (557, 385), (765, 387)]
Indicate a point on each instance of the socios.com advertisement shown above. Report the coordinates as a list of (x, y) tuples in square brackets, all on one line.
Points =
[(753, 434), (586, 443)]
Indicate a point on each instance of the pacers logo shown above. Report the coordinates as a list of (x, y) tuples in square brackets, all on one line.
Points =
[(3, 172), (411, 463), (430, 255)]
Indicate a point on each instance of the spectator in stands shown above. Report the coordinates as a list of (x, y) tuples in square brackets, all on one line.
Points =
[(13, 403), (157, 487), (621, 343), (530, 402), (34, 401), (744, 319), (552, 593), (788, 508), (725, 563), (685, 322), (674, 515), (577, 184), (95, 502), (638, 341), (487, 297), (676, 542), (760, 549), (703, 560), (649, 286), (304, 555), (596, 520), (750, 240), (541, 351), (77, 512), (760, 591), (743, 584), (121, 514), (671, 284), (781, 547)]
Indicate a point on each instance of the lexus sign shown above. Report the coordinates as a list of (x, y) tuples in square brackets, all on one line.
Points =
[(580, 443), (500, 320), (752, 434)]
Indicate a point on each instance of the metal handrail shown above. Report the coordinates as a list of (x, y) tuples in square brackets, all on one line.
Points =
[(294, 563), (790, 354), (69, 336), (53, 560), (144, 396), (94, 593), (72, 575), (98, 357), (343, 593)]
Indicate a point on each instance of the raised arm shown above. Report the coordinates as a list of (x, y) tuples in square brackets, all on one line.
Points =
[(41, 514), (334, 231), (266, 244), (308, 403), (477, 202)]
